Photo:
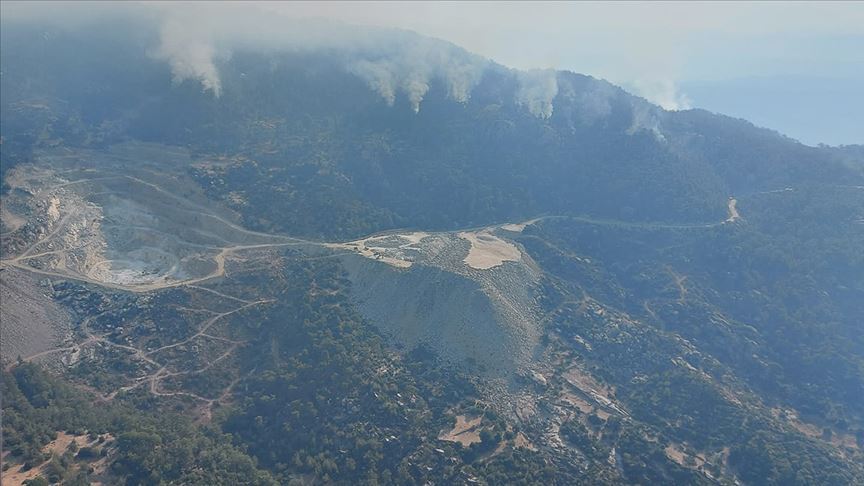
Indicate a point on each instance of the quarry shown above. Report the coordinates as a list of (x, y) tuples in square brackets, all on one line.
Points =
[(473, 296), (94, 218)]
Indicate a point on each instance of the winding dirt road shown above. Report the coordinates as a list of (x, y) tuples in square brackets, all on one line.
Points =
[(221, 256)]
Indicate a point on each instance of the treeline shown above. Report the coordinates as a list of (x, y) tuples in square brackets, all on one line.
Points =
[(147, 448)]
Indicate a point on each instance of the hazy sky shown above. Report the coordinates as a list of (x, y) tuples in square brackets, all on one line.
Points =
[(716, 55), (650, 46)]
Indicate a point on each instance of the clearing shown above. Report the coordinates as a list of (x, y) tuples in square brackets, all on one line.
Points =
[(15, 475), (466, 431), (487, 250), (398, 250)]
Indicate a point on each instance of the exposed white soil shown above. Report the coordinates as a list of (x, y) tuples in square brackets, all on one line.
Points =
[(519, 227), (132, 230), (118, 229), (488, 251), (733, 211), (53, 209), (398, 250)]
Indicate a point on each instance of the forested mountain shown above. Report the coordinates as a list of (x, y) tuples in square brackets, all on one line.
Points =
[(336, 147), (564, 283)]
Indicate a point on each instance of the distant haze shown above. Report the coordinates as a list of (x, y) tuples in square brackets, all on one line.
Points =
[(790, 66), (794, 67)]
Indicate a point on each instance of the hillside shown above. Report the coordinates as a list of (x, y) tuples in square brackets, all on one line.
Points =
[(397, 262)]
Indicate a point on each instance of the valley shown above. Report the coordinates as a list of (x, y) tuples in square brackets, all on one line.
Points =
[(465, 294), (393, 261)]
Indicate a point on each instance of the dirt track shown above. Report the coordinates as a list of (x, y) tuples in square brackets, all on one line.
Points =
[(486, 250), (196, 232)]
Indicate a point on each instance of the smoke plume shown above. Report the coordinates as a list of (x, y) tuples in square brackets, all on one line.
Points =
[(196, 39), (190, 53), (537, 89)]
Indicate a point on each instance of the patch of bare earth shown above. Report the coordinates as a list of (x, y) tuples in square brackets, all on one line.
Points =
[(392, 249), (16, 476), (31, 322), (676, 454), (601, 396), (466, 431), (518, 227), (487, 250), (113, 228), (581, 404), (835, 438), (520, 441)]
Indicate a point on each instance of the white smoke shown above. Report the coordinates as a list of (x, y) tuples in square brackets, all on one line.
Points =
[(462, 78), (392, 63), (194, 39), (663, 92), (415, 87), (645, 117), (190, 52), (378, 75), (537, 89), (411, 68), (588, 102)]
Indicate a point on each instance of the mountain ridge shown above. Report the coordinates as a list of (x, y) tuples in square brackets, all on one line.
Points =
[(593, 290)]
